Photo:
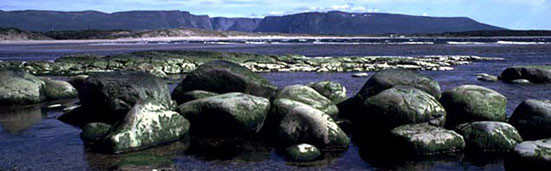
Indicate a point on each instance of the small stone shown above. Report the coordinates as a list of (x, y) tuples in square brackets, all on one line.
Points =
[(520, 81), (360, 75), (303, 152)]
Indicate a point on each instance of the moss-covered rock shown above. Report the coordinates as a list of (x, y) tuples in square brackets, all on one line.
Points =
[(224, 77), (148, 124), (111, 95), (534, 74), (400, 105), (302, 123), (226, 115), (469, 103), (57, 89), (334, 91), (196, 94), (393, 77), (93, 133), (423, 139), (530, 155), (18, 87), (489, 136), (303, 152), (309, 96), (532, 118)]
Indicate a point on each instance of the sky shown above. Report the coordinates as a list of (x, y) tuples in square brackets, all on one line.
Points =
[(512, 14)]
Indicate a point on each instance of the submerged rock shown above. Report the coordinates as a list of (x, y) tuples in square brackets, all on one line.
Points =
[(224, 77), (226, 116), (393, 77), (487, 77), (57, 89), (303, 152), (530, 155), (18, 87), (423, 139), (148, 124), (111, 95), (534, 74), (520, 81), (360, 75), (489, 136), (532, 118), (334, 91), (302, 123), (400, 105), (310, 97), (93, 133), (469, 103)]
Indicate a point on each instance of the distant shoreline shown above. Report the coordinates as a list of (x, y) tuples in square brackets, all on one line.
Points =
[(236, 38)]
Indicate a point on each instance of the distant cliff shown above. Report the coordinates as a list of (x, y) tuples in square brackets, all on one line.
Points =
[(340, 23)]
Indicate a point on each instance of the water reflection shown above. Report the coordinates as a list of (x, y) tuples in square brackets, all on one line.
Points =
[(160, 157), (15, 120)]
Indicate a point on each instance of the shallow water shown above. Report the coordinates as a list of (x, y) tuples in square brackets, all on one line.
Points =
[(32, 139)]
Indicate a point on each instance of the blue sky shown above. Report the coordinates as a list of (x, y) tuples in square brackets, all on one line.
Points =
[(514, 14)]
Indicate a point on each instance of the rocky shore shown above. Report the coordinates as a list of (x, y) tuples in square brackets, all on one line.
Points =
[(162, 63), (224, 105)]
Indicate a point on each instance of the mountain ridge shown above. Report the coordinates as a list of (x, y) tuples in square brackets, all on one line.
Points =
[(333, 22)]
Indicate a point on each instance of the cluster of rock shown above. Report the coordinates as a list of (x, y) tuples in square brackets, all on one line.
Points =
[(536, 74), (18, 87), (163, 63)]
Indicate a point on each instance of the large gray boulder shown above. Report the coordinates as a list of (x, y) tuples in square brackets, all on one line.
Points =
[(530, 155), (226, 115), (534, 74), (489, 136), (18, 87), (302, 123), (423, 139), (469, 103), (334, 91), (148, 124), (57, 89), (111, 95), (310, 97), (532, 118), (389, 78), (224, 77), (400, 105)]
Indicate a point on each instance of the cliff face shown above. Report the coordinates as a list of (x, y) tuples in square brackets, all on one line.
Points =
[(310, 23)]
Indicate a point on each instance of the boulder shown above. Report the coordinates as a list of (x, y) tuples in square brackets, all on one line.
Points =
[(224, 77), (93, 133), (424, 139), (302, 123), (393, 77), (469, 103), (148, 124), (18, 87), (334, 91), (310, 97), (227, 115), (530, 155), (487, 78), (534, 74), (532, 118), (489, 136), (303, 152), (57, 89), (400, 105), (78, 80), (196, 94), (111, 95)]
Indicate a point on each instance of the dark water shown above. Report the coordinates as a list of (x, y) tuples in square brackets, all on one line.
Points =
[(32, 139)]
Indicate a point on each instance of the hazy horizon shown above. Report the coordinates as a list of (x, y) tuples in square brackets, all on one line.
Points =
[(511, 14)]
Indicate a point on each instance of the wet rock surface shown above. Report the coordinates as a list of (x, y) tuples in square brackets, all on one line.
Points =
[(18, 87), (423, 139), (532, 118), (534, 73), (489, 136)]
